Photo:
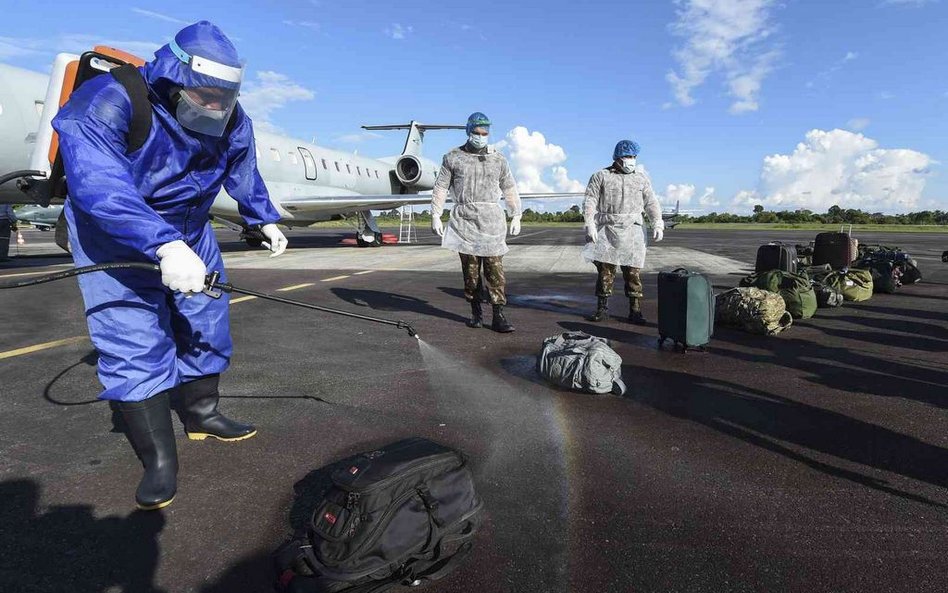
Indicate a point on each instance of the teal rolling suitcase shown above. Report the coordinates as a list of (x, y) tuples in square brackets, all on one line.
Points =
[(685, 309)]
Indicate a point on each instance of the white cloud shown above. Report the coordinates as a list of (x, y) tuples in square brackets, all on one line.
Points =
[(267, 93), (396, 31), (842, 168), (76, 43), (732, 37), (12, 47), (858, 124), (684, 194), (305, 24), (915, 3), (357, 138), (823, 78), (537, 164), (158, 16), (886, 95)]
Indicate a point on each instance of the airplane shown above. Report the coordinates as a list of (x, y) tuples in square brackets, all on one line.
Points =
[(42, 218), (307, 183)]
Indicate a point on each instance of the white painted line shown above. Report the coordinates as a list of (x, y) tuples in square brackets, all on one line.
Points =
[(363, 272), (242, 299), (295, 287), (334, 278)]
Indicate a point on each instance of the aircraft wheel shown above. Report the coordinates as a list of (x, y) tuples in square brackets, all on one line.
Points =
[(255, 243), (376, 242)]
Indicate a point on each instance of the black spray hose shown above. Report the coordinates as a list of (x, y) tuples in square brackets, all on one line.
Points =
[(211, 284), (19, 174), (214, 284)]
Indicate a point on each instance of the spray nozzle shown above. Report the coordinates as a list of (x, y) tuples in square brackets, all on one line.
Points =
[(410, 329)]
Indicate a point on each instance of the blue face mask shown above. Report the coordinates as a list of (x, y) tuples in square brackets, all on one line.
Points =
[(477, 141)]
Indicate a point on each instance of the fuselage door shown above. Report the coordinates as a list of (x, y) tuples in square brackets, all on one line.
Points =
[(309, 163)]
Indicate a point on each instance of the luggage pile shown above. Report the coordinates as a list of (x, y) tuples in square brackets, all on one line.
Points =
[(890, 267), (800, 279)]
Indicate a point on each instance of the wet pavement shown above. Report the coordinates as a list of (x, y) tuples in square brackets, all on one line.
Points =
[(816, 460)]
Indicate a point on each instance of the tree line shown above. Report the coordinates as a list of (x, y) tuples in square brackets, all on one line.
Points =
[(835, 215)]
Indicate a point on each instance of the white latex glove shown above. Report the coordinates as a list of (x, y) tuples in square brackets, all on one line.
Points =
[(658, 233), (591, 232), (515, 226), (275, 237), (437, 227), (181, 269)]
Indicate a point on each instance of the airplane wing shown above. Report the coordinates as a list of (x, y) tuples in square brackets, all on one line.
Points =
[(353, 203)]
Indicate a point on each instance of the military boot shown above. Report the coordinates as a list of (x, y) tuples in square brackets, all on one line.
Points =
[(602, 310), (148, 428), (477, 314), (499, 323), (635, 312), (197, 407)]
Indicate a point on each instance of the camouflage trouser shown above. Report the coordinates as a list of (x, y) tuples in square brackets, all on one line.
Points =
[(607, 277), (493, 274)]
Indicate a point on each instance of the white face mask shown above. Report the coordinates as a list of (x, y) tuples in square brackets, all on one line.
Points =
[(477, 141), (628, 165)]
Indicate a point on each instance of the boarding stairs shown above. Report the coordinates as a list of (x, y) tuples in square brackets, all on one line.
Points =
[(406, 225)]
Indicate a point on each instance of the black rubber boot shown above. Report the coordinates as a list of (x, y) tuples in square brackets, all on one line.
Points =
[(602, 310), (635, 312), (197, 408), (477, 315), (499, 323), (149, 430)]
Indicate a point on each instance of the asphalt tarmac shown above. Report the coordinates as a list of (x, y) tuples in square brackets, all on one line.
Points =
[(813, 461)]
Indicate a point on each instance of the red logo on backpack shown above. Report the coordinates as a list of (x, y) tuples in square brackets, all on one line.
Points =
[(330, 518)]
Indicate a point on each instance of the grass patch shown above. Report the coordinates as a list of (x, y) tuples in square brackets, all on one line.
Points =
[(779, 226)]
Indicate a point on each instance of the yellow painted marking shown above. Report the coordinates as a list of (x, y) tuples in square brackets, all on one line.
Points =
[(334, 278), (39, 347), (294, 287), (363, 272), (242, 299)]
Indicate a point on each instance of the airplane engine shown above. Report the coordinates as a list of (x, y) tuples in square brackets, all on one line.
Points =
[(415, 173)]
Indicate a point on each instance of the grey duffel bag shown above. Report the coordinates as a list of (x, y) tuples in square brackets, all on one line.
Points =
[(578, 361)]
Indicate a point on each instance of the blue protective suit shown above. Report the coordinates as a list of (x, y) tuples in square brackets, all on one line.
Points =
[(123, 207)]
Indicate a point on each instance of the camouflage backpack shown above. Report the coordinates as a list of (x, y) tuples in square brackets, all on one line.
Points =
[(754, 310)]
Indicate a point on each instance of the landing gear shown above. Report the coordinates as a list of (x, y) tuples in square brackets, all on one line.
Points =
[(368, 233), (372, 240)]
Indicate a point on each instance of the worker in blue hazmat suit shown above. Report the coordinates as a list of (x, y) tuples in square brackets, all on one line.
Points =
[(162, 343), (616, 199)]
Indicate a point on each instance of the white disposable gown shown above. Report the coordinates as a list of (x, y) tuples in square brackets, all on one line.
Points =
[(615, 202), (476, 181)]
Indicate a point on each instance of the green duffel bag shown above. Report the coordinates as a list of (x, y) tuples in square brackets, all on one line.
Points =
[(855, 284), (795, 289), (754, 310)]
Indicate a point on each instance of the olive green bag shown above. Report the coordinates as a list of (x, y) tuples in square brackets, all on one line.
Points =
[(795, 289), (854, 284)]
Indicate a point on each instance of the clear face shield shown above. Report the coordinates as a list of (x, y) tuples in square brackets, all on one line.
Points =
[(206, 109)]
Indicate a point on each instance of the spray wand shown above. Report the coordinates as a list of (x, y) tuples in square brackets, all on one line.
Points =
[(213, 287)]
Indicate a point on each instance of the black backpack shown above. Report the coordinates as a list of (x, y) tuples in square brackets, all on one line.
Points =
[(403, 514)]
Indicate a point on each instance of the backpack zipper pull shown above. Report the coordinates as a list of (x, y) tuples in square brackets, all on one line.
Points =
[(351, 499)]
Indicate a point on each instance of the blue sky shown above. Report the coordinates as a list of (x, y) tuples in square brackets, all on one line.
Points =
[(734, 102)]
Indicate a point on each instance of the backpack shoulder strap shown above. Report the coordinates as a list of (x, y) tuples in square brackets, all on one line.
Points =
[(140, 126)]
